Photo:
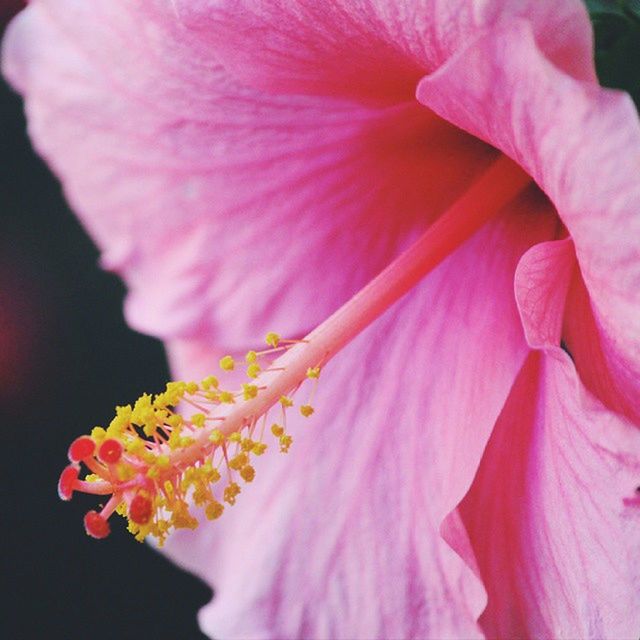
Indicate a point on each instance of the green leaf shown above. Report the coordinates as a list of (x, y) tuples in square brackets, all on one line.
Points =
[(616, 25)]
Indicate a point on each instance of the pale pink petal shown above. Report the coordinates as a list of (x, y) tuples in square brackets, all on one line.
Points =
[(340, 539), (229, 212), (551, 514), (371, 49), (582, 145)]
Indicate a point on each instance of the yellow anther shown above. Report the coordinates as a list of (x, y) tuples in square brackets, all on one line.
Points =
[(209, 473), (258, 448), (237, 462), (169, 489), (234, 437), (230, 492), (164, 399), (141, 406), (181, 517), (142, 414), (285, 443), (138, 534), (313, 372), (175, 420), (214, 510), (126, 410), (198, 419), (202, 495), (163, 461), (248, 473), (174, 439), (135, 447), (285, 401), (117, 426), (160, 401), (306, 410), (192, 387), (213, 396), (188, 478), (251, 357), (149, 428), (247, 444), (125, 471), (98, 434), (174, 392), (186, 441), (227, 397), (149, 457), (253, 371), (249, 391), (216, 436), (272, 339), (209, 382), (277, 430), (227, 363), (153, 472)]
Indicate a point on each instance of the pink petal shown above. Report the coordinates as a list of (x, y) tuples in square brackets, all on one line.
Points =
[(542, 280), (341, 538), (582, 145), (155, 141), (228, 211), (551, 514), (602, 373), (371, 50)]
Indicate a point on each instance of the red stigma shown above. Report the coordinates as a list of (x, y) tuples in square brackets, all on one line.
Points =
[(110, 451), (96, 525), (81, 448), (66, 482), (140, 509)]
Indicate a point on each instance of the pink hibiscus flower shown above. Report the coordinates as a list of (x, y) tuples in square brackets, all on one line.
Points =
[(252, 165)]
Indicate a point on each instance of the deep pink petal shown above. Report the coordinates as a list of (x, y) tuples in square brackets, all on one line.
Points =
[(368, 49), (341, 538), (188, 180), (551, 514), (582, 145), (229, 212)]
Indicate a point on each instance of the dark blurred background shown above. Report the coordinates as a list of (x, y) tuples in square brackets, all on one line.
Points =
[(66, 358)]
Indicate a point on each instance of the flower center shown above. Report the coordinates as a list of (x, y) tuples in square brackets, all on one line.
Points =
[(154, 461)]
